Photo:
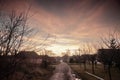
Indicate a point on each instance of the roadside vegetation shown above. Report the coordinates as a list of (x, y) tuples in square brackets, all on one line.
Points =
[(99, 71), (31, 72)]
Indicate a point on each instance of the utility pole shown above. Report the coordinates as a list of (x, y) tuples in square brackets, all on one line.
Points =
[(79, 51)]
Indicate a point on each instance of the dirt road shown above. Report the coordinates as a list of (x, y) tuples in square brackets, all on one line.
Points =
[(62, 72)]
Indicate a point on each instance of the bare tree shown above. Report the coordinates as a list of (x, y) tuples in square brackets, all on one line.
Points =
[(13, 29), (11, 32), (112, 44), (92, 58)]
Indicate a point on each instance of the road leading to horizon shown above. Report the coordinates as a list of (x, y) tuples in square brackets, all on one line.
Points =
[(62, 72)]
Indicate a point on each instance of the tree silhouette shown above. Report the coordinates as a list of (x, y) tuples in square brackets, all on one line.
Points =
[(13, 28), (107, 55)]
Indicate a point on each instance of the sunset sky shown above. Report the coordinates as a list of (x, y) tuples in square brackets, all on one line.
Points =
[(68, 23)]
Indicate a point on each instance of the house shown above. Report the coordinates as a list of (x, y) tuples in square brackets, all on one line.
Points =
[(109, 55), (29, 57), (109, 52)]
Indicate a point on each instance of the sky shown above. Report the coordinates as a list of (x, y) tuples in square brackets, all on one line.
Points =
[(68, 24)]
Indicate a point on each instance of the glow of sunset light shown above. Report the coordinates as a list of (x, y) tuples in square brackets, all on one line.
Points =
[(58, 49)]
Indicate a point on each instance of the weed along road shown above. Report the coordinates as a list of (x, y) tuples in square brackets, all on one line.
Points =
[(62, 72)]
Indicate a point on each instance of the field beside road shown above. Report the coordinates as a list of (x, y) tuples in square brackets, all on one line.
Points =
[(99, 71)]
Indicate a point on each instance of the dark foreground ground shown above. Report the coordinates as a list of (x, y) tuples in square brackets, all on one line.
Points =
[(30, 72)]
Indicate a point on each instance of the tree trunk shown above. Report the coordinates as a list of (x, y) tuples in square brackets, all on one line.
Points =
[(109, 72), (85, 66), (93, 71)]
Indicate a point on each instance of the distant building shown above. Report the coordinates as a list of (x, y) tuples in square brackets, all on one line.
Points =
[(108, 52), (66, 58), (58, 58), (107, 55), (29, 57)]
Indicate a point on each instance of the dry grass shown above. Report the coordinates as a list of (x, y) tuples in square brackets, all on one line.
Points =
[(99, 71), (32, 72), (80, 71)]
